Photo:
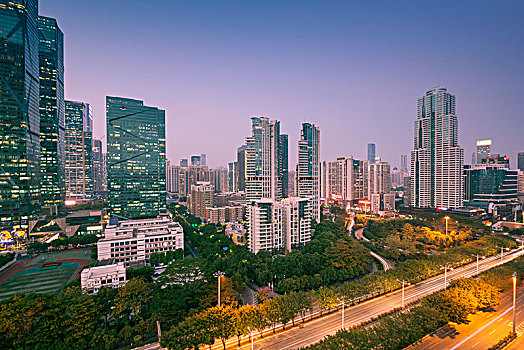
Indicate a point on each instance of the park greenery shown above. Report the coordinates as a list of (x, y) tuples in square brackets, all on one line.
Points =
[(462, 298), (400, 239)]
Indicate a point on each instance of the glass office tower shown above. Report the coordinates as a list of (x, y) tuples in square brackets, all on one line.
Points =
[(52, 120), (79, 151), (308, 167), (136, 158), (19, 114)]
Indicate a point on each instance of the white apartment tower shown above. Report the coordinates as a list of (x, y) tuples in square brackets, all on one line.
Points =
[(263, 160), (308, 167), (436, 159), (278, 224)]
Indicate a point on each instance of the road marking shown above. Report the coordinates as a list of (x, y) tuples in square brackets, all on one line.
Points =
[(475, 345), (493, 331), (481, 328)]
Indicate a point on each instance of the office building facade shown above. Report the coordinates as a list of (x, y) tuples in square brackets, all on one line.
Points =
[(487, 184), (52, 118), (79, 151), (136, 158), (19, 113), (202, 196), (483, 150), (308, 167), (371, 152), (241, 168), (99, 170), (437, 159)]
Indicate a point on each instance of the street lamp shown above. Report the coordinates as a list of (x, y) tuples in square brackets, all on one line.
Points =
[(446, 267), (476, 255), (447, 218), (218, 275), (403, 284), (514, 297), (502, 254), (250, 336)]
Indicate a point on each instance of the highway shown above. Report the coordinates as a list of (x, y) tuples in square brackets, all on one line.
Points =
[(313, 331), (484, 330), (317, 329)]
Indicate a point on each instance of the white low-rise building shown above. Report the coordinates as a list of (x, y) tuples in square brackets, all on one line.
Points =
[(133, 241), (104, 274)]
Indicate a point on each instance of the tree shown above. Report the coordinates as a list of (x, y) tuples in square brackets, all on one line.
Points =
[(132, 297), (223, 319)]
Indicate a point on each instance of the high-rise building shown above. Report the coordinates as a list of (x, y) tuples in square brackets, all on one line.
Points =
[(407, 191), (19, 113), (232, 175), (99, 170), (52, 120), (296, 216), (202, 196), (203, 159), (136, 158), (291, 178), (437, 159), (403, 163), (284, 164), (220, 179), (396, 179), (520, 161), (79, 150), (263, 165), (490, 183), (497, 159), (379, 178), (196, 160), (371, 152), (241, 168), (184, 163), (308, 167), (483, 150), (273, 225)]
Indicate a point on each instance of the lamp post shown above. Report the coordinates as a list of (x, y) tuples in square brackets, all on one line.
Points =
[(447, 219), (250, 337), (403, 285), (514, 297), (446, 267), (343, 312), (218, 275), (501, 254)]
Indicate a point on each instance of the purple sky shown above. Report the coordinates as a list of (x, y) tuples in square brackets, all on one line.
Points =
[(355, 68)]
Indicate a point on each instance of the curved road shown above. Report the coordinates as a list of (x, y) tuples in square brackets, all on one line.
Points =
[(359, 234), (313, 331)]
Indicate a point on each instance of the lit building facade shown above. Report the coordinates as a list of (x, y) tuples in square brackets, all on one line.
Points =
[(490, 183), (437, 159), (52, 120), (483, 150), (79, 151), (19, 113), (308, 167), (136, 158)]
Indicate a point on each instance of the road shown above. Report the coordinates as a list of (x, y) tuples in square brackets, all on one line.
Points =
[(385, 263), (313, 331), (484, 330)]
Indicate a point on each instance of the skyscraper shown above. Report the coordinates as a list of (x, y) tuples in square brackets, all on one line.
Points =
[(241, 168), (520, 161), (79, 150), (232, 176), (483, 150), (284, 165), (371, 152), (437, 159), (196, 160), (99, 171), (263, 164), (203, 159), (52, 120), (136, 158), (308, 167), (19, 113)]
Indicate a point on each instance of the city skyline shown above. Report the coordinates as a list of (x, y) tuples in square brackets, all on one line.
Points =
[(301, 70)]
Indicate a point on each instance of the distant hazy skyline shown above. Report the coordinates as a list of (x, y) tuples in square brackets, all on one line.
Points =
[(355, 69)]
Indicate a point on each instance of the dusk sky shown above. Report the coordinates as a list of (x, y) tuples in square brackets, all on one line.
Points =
[(354, 68)]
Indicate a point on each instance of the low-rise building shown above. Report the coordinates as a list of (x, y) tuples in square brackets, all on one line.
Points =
[(236, 232), (134, 240), (106, 273)]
